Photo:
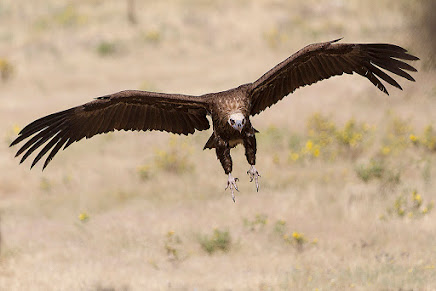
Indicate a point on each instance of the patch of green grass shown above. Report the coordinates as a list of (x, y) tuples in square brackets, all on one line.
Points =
[(144, 172), (106, 48), (397, 134), (296, 239), (426, 171), (172, 245), (219, 241), (352, 135), (428, 139), (273, 136), (373, 170), (259, 222), (175, 158), (326, 140), (280, 227), (412, 206), (321, 129)]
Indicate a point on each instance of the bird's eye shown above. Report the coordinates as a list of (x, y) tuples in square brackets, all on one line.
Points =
[(232, 122), (243, 121)]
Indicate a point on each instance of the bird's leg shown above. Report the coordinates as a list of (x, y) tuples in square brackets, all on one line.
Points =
[(250, 153), (223, 154), (254, 175), (231, 183)]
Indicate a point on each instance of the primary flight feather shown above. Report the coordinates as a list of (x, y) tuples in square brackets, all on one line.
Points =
[(230, 110)]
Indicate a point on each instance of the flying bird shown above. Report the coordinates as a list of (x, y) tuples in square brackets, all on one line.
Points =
[(230, 110)]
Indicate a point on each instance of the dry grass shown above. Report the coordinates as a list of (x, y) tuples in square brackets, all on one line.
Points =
[(127, 211)]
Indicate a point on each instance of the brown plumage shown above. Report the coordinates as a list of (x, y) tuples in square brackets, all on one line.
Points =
[(230, 110)]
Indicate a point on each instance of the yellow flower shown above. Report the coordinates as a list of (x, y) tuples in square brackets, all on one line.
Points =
[(316, 152), (413, 138), (298, 237), (416, 198), (294, 156), (309, 145), (386, 150), (83, 216)]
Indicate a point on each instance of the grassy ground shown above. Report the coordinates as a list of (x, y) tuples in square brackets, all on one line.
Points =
[(348, 173)]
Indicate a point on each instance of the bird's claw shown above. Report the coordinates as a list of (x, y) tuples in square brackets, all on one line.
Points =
[(231, 183), (254, 175)]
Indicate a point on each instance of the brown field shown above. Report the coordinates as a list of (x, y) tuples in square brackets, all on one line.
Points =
[(348, 173)]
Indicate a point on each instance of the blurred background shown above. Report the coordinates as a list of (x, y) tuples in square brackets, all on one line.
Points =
[(347, 188)]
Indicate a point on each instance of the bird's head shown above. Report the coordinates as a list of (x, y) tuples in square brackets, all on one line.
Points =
[(237, 121)]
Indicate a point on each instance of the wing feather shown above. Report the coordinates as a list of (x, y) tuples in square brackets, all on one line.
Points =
[(321, 61), (181, 123), (124, 118), (164, 120), (125, 110), (36, 138), (147, 119), (45, 149), (92, 126), (54, 151)]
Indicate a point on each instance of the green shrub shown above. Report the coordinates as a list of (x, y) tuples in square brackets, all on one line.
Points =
[(412, 207), (175, 159), (280, 226), (105, 48), (172, 245), (259, 221), (374, 169), (144, 172), (219, 240)]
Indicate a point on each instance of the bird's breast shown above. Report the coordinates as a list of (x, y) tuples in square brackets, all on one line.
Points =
[(234, 142)]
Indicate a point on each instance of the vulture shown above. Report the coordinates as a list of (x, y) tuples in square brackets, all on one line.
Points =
[(229, 110)]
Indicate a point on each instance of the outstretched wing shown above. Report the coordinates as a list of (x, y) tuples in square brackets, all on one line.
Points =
[(125, 110), (321, 61)]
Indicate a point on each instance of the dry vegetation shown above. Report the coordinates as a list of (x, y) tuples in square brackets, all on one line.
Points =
[(348, 174)]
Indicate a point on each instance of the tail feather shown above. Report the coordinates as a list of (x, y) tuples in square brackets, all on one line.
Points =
[(211, 143)]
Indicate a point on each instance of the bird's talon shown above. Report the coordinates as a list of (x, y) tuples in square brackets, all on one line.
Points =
[(254, 175), (231, 183)]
